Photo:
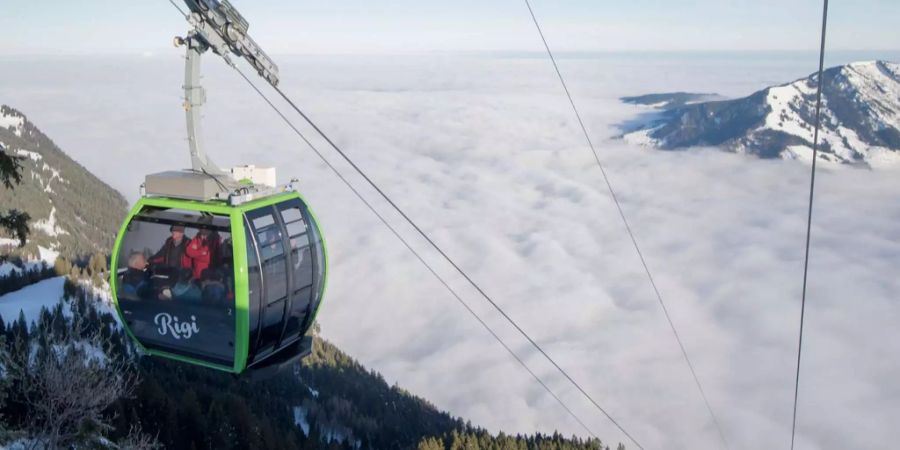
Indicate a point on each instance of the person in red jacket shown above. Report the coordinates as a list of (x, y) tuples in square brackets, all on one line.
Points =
[(203, 250)]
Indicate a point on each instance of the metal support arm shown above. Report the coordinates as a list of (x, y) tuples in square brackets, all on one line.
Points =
[(194, 98), (217, 26)]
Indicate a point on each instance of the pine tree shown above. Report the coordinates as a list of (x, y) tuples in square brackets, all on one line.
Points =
[(14, 221)]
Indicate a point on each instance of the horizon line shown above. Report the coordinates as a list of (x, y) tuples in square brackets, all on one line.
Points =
[(487, 52)]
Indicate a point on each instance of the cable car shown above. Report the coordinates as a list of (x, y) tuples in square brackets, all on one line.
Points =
[(222, 286), (219, 269)]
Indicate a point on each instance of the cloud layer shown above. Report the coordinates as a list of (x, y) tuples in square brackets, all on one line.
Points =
[(484, 153)]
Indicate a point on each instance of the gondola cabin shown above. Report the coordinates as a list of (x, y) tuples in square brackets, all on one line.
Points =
[(220, 269), (231, 287)]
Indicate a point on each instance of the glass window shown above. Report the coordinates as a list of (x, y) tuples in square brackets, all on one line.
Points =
[(270, 242), (291, 268), (254, 279), (175, 283), (293, 213), (297, 228), (263, 221), (318, 250)]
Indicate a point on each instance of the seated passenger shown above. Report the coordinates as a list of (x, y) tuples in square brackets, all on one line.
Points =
[(162, 279), (172, 252), (202, 250), (136, 280), (186, 289), (214, 290)]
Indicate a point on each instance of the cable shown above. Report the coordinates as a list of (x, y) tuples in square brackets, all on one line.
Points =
[(637, 248), (203, 171), (215, 178), (456, 266), (434, 245), (415, 253), (178, 8), (812, 189)]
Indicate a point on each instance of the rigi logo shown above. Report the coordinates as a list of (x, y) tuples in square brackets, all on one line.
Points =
[(170, 325)]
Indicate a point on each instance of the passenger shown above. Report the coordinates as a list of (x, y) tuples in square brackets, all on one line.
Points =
[(186, 289), (172, 252), (214, 291), (165, 293), (136, 279), (162, 279), (202, 251)]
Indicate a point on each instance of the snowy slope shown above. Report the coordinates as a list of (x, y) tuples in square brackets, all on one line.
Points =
[(12, 120), (31, 299), (72, 212), (47, 293), (860, 119)]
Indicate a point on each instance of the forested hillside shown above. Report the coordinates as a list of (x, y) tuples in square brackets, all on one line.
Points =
[(73, 213), (329, 402)]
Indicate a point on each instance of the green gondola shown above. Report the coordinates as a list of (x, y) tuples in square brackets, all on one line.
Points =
[(220, 269), (245, 299)]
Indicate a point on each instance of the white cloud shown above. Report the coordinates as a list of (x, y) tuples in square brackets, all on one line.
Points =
[(485, 155)]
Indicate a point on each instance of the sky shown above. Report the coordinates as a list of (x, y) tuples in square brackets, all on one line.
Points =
[(483, 152), (411, 26)]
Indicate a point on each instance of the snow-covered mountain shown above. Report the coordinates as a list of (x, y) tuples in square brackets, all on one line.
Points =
[(72, 212), (860, 119)]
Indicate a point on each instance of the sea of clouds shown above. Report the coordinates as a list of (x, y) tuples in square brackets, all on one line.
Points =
[(484, 152)]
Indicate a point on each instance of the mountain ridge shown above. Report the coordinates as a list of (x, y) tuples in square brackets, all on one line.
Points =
[(73, 213), (860, 119)]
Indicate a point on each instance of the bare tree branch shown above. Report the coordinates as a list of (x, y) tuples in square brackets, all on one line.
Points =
[(68, 382)]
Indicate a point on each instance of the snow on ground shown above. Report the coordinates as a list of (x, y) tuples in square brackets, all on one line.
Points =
[(8, 268), (338, 436), (805, 153), (301, 420), (641, 138), (54, 176), (34, 156), (785, 103), (30, 300), (784, 115), (21, 444), (10, 121), (874, 80), (49, 225), (54, 173), (46, 258), (48, 255), (103, 296), (866, 80)]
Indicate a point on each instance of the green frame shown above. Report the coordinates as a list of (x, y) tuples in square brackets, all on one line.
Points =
[(239, 240)]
